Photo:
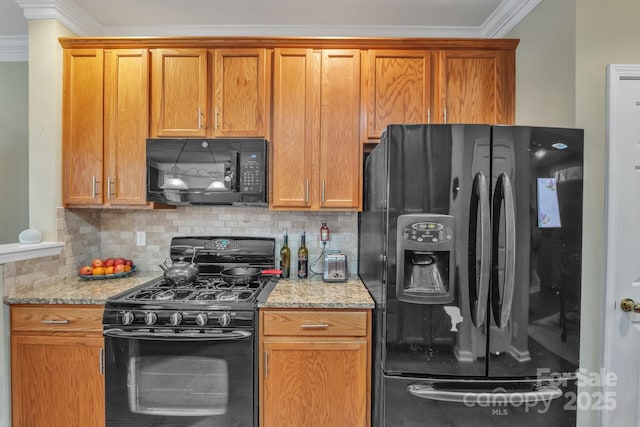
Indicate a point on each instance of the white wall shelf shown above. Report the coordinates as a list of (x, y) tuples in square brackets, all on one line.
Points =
[(20, 251)]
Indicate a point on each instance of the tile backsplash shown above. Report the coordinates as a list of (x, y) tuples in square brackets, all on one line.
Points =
[(93, 233)]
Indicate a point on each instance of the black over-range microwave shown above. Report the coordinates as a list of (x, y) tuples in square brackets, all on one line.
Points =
[(207, 171)]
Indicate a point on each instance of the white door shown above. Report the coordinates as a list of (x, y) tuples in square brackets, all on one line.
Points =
[(621, 350)]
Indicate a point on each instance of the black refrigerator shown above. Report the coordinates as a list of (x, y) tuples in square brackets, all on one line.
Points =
[(470, 244)]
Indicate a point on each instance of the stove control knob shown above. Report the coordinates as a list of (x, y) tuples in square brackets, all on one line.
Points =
[(175, 319), (150, 318), (224, 319), (201, 319), (128, 318)]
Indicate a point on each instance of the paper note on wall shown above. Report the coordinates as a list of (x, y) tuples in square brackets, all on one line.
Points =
[(548, 210)]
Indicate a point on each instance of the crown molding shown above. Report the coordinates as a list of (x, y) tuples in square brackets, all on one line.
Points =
[(506, 17), (66, 12), (293, 31), (508, 14), (14, 49)]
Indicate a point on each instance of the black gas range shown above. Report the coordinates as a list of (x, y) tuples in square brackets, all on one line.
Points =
[(207, 302), (185, 353)]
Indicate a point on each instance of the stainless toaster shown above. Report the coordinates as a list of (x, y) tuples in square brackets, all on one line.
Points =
[(335, 267)]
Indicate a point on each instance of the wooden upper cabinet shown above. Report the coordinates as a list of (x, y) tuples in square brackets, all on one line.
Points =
[(224, 96), (398, 88), (126, 93), (178, 92), (476, 86), (317, 155), (296, 90), (241, 92), (105, 126), (82, 109), (340, 148)]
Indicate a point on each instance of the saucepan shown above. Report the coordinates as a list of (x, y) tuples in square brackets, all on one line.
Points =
[(244, 275)]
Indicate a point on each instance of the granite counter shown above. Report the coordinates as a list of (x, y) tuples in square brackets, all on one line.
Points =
[(287, 293), (315, 293), (75, 290)]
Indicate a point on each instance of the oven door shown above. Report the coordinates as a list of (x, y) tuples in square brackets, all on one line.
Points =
[(179, 379)]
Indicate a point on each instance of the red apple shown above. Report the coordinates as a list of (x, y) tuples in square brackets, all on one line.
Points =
[(119, 268), (86, 270), (120, 261), (109, 262), (97, 263), (128, 262)]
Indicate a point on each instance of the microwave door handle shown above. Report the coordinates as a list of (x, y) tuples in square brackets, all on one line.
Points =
[(479, 290), (176, 336), (543, 393), (501, 302)]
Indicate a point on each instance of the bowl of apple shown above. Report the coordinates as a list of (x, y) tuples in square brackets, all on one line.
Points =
[(109, 268)]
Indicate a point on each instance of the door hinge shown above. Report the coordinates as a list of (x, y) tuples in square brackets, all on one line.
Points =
[(102, 361)]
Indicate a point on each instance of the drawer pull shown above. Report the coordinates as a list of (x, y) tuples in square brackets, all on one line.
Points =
[(316, 326), (55, 322)]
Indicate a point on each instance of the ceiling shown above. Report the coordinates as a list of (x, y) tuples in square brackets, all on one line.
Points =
[(326, 18)]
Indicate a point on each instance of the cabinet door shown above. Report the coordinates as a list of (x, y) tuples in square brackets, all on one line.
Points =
[(241, 92), (82, 126), (295, 98), (126, 125), (398, 89), (178, 92), (340, 147), (477, 86), (315, 382), (57, 381)]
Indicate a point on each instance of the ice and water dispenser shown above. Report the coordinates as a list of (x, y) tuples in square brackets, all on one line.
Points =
[(425, 258)]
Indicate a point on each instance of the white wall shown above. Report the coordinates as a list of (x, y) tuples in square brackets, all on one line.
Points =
[(14, 150), (545, 65), (553, 40), (45, 124)]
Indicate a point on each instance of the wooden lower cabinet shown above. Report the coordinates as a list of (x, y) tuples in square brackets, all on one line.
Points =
[(315, 368), (56, 366)]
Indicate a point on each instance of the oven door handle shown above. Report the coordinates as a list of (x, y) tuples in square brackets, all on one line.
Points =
[(177, 336)]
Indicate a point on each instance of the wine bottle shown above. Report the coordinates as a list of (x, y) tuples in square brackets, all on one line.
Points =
[(285, 257), (303, 259)]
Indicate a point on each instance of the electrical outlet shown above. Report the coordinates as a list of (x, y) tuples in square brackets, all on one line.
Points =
[(141, 238)]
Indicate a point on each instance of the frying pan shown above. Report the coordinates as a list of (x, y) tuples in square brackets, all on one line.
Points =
[(243, 275)]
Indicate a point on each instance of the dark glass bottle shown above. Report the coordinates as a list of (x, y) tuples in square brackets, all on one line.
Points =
[(285, 257), (303, 259)]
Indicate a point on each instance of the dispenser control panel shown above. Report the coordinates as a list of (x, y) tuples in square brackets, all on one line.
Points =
[(426, 231)]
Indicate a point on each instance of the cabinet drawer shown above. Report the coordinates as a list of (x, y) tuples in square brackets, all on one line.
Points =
[(315, 323), (56, 318)]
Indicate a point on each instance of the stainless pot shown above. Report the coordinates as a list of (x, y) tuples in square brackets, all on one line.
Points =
[(180, 272)]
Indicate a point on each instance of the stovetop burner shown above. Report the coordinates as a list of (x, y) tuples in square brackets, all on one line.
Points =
[(203, 289)]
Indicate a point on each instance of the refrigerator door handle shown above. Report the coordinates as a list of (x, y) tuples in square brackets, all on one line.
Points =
[(501, 301), (479, 285), (496, 396)]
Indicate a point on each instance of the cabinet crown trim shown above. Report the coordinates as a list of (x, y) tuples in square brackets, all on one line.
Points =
[(300, 42)]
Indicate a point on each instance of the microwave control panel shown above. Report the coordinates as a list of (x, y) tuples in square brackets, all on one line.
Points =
[(250, 175)]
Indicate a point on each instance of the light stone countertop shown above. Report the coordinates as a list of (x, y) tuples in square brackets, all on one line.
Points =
[(289, 293), (75, 290), (315, 293)]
